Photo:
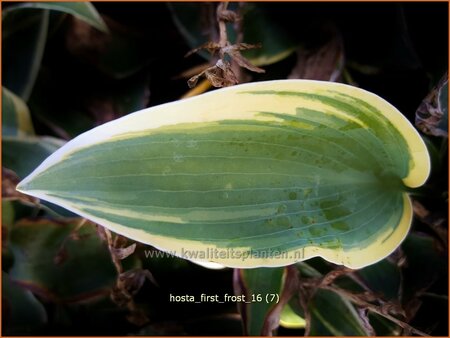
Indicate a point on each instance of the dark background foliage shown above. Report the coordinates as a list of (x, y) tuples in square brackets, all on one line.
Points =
[(58, 282)]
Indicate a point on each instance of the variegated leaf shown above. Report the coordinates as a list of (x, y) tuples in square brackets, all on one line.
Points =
[(261, 174)]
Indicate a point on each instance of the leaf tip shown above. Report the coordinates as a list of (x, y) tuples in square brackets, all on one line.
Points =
[(25, 186), (22, 187)]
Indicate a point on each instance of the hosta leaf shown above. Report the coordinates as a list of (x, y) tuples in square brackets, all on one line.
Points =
[(23, 43), (82, 10), (22, 154), (47, 253), (262, 174), (266, 292), (16, 118), (384, 278), (422, 255), (332, 315), (290, 319), (7, 213), (276, 43), (23, 313), (255, 285)]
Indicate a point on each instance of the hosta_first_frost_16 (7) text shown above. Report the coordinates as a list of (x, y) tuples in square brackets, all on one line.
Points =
[(283, 166)]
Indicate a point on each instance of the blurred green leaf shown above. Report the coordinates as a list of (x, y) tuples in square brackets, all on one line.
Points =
[(332, 315), (23, 44), (22, 154), (96, 317), (256, 284), (267, 292), (308, 269), (424, 263), (196, 32), (82, 10), (436, 156), (290, 319), (58, 264), (16, 120), (383, 277), (8, 218), (383, 326), (22, 313), (277, 43), (8, 214)]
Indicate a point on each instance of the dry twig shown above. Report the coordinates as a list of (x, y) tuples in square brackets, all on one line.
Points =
[(128, 283), (229, 58)]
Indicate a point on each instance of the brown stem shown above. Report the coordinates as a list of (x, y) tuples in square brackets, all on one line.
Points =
[(223, 37), (238, 28), (120, 294), (304, 298), (227, 60), (331, 276), (114, 257)]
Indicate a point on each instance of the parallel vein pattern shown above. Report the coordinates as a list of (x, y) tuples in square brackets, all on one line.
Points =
[(278, 172)]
